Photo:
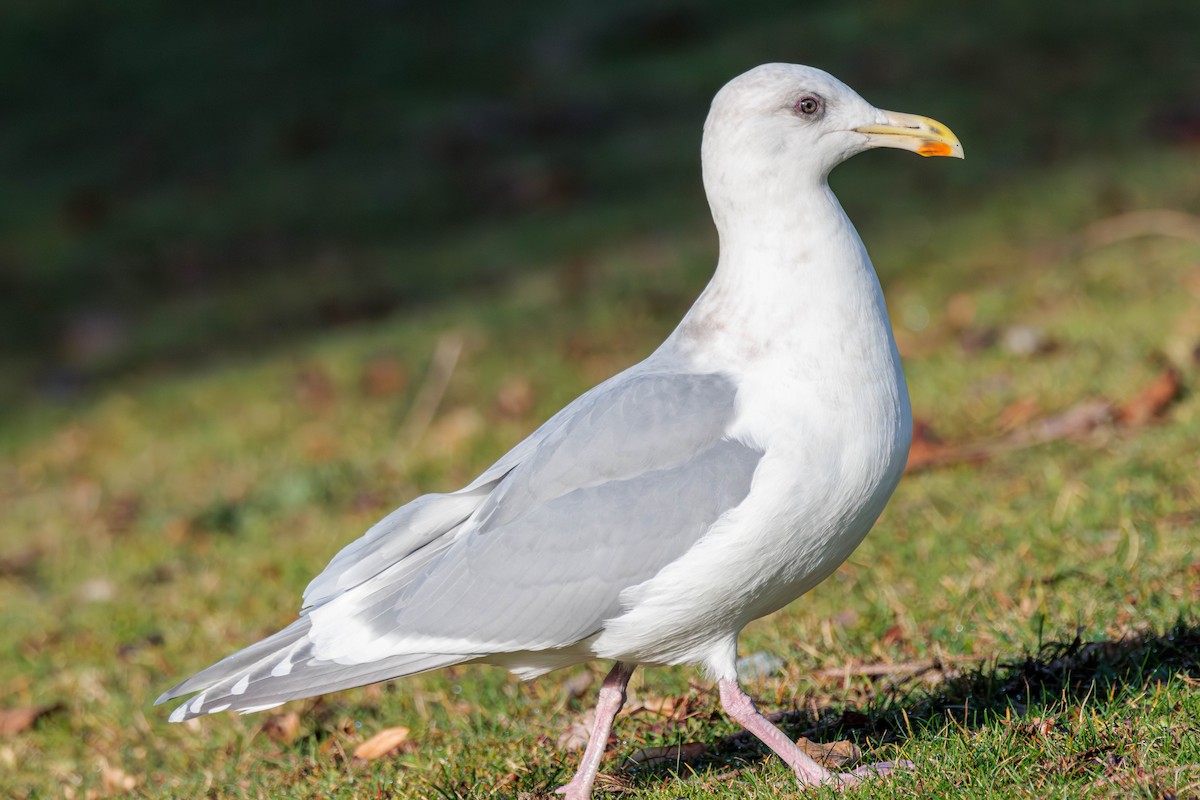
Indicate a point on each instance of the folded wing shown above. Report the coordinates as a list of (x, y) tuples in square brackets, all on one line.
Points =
[(533, 555)]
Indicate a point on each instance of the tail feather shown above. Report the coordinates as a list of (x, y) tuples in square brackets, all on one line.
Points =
[(281, 668), (239, 662)]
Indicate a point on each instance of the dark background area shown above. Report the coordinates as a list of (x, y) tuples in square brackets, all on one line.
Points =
[(183, 182)]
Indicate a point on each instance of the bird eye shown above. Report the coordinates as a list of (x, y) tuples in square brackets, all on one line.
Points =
[(808, 105)]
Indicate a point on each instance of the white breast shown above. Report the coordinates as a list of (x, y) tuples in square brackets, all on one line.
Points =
[(822, 393)]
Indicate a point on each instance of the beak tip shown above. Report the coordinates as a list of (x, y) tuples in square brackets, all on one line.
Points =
[(922, 135)]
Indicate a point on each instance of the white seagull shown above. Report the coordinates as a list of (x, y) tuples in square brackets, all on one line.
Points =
[(653, 517)]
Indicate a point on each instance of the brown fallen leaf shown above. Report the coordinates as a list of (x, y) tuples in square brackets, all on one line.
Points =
[(19, 720), (676, 708), (893, 635), (23, 563), (668, 754), (383, 377), (578, 685), (381, 743), (926, 449), (1152, 401), (282, 728), (576, 736), (659, 705), (833, 754)]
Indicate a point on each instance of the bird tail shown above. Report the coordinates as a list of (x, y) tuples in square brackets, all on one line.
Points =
[(281, 668)]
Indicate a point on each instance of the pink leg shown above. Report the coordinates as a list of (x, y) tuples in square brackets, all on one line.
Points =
[(612, 697), (738, 705)]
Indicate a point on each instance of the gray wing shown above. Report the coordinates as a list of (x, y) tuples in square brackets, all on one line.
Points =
[(433, 517), (618, 488), (533, 554)]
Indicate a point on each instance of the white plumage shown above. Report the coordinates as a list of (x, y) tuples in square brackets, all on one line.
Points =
[(651, 519)]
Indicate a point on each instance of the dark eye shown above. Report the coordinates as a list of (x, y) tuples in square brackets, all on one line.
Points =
[(808, 104)]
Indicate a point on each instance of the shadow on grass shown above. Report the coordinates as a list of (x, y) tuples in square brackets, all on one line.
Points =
[(1058, 673)]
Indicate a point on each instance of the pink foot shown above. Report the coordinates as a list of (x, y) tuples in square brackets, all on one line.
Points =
[(573, 791), (612, 697), (740, 707), (868, 772)]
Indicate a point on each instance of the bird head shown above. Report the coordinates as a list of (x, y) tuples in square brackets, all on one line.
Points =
[(783, 124)]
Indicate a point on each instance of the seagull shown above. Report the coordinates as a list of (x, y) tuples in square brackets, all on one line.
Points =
[(651, 519)]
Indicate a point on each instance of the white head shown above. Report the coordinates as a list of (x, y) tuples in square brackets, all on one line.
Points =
[(780, 128)]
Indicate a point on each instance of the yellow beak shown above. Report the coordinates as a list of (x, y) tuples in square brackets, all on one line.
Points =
[(922, 135)]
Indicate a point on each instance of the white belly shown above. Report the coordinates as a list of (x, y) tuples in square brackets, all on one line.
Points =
[(834, 452)]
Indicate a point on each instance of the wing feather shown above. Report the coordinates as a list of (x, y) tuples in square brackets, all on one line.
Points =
[(627, 484), (532, 555)]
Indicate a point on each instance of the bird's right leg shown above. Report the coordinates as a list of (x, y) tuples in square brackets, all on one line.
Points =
[(612, 697), (738, 705)]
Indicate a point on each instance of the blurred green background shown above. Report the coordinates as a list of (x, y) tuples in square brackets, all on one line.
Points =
[(180, 180)]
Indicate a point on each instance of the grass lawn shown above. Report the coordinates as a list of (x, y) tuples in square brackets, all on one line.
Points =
[(1022, 626)]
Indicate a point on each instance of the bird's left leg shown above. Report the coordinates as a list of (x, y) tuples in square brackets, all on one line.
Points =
[(740, 707), (612, 697)]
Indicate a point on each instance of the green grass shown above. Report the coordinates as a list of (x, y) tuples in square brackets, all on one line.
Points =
[(171, 518)]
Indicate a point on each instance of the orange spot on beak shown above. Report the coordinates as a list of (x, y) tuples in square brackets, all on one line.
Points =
[(930, 148)]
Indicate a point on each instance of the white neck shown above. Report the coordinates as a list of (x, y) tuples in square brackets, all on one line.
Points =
[(793, 280)]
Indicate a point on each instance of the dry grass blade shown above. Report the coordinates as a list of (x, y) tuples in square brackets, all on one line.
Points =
[(904, 668), (1078, 420), (433, 389)]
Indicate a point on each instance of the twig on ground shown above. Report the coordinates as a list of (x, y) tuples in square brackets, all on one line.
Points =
[(1135, 224), (904, 668), (1076, 422)]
